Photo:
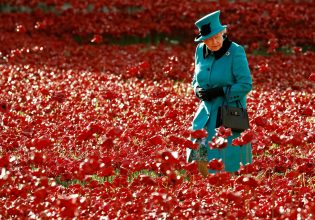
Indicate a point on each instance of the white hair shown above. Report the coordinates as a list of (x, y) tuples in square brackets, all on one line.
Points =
[(224, 31)]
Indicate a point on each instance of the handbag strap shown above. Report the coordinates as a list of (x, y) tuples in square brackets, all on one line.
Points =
[(227, 96)]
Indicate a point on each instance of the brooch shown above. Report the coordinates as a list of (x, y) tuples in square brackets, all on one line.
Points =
[(227, 53)]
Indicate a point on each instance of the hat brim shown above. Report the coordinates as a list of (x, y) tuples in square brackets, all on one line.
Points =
[(201, 38)]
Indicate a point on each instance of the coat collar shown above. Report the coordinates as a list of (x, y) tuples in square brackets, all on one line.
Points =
[(217, 54)]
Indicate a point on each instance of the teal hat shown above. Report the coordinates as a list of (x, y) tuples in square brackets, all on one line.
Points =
[(209, 26)]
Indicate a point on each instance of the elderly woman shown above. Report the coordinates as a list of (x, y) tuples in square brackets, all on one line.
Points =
[(219, 64)]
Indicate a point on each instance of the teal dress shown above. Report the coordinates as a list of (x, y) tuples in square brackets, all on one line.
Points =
[(226, 67)]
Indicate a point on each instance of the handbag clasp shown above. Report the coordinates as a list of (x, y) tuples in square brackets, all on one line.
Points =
[(235, 113)]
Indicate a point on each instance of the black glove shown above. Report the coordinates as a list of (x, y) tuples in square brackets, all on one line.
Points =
[(209, 94)]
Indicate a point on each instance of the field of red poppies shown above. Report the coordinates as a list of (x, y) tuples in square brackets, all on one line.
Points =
[(96, 106)]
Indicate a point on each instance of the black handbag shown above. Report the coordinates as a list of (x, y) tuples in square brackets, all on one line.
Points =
[(235, 118)]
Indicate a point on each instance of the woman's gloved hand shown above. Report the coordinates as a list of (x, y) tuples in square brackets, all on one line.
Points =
[(209, 94)]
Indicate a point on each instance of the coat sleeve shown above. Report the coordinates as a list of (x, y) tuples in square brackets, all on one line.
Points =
[(242, 76), (194, 80)]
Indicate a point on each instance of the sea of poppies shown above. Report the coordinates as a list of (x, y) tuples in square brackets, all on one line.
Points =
[(96, 106)]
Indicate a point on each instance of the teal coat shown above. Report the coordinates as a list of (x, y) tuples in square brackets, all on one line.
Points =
[(227, 67)]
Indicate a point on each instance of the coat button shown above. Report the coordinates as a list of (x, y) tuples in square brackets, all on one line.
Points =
[(208, 69)]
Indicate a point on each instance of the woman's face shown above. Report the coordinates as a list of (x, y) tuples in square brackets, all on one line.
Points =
[(215, 42)]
